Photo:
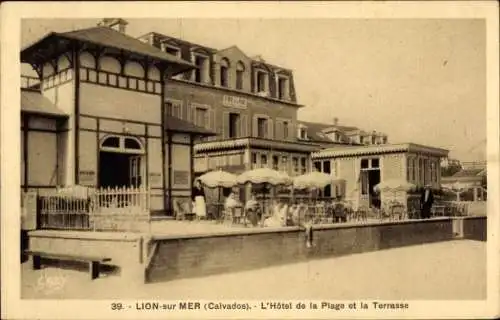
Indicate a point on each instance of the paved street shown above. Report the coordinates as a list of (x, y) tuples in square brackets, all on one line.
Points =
[(448, 270)]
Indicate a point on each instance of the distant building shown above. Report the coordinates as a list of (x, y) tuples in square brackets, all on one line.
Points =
[(473, 177), (363, 167), (335, 134)]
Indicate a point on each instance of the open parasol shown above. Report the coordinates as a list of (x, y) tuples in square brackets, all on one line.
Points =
[(218, 179)]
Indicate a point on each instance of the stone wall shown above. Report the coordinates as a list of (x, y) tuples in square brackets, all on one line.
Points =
[(203, 255)]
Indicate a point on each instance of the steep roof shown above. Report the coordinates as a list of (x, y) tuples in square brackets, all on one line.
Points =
[(316, 130), (468, 173), (35, 103), (101, 36)]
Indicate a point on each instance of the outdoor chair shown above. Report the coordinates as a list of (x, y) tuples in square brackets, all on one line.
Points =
[(396, 211), (182, 210), (362, 213)]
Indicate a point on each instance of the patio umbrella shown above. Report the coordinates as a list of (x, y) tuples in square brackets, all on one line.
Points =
[(314, 180), (218, 179), (458, 188), (394, 186), (264, 176)]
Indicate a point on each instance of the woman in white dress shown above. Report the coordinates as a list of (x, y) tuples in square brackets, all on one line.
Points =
[(198, 197)]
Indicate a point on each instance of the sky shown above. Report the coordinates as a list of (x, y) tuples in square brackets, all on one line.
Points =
[(418, 80)]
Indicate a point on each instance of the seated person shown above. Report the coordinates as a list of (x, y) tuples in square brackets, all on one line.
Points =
[(252, 203), (231, 202)]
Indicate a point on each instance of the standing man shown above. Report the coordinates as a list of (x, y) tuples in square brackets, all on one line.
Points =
[(426, 201)]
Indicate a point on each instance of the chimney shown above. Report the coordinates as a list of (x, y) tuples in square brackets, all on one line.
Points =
[(335, 121), (117, 24)]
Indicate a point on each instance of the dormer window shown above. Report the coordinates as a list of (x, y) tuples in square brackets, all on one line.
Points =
[(224, 73), (240, 69), (283, 85), (261, 82), (175, 51), (201, 73), (303, 133)]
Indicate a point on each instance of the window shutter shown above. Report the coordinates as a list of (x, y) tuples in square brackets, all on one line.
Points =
[(292, 131), (188, 115), (212, 125), (279, 130), (270, 129), (243, 125), (225, 124), (255, 126)]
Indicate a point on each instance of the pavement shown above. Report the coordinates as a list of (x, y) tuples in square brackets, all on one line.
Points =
[(453, 270)]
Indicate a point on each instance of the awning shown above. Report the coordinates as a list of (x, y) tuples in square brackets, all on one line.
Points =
[(34, 102), (174, 124)]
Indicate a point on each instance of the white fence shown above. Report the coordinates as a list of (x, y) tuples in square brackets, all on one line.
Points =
[(106, 209)]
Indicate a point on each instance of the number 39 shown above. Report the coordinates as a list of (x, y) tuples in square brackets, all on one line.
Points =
[(116, 306)]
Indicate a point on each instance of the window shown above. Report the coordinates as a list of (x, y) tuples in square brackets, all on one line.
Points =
[(282, 88), (263, 160), (414, 170), (201, 117), (375, 163), (261, 81), (303, 133), (173, 109), (303, 167), (317, 165), (254, 160), (173, 51), (409, 169), (240, 69), (233, 125), (276, 163), (284, 163), (199, 72), (326, 167), (364, 163), (285, 130), (420, 170), (224, 72), (262, 127), (295, 163), (111, 142), (132, 144)]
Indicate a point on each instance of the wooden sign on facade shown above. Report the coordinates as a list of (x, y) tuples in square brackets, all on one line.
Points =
[(234, 102), (87, 177), (181, 177)]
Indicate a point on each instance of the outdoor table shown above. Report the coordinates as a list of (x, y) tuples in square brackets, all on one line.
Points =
[(438, 211)]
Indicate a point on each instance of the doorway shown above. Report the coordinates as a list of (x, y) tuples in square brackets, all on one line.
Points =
[(120, 162), (370, 177), (119, 170), (373, 180)]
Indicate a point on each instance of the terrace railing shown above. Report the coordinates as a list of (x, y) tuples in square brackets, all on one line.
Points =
[(80, 208)]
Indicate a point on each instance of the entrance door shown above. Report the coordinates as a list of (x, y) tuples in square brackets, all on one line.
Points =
[(135, 171), (373, 180), (119, 169)]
